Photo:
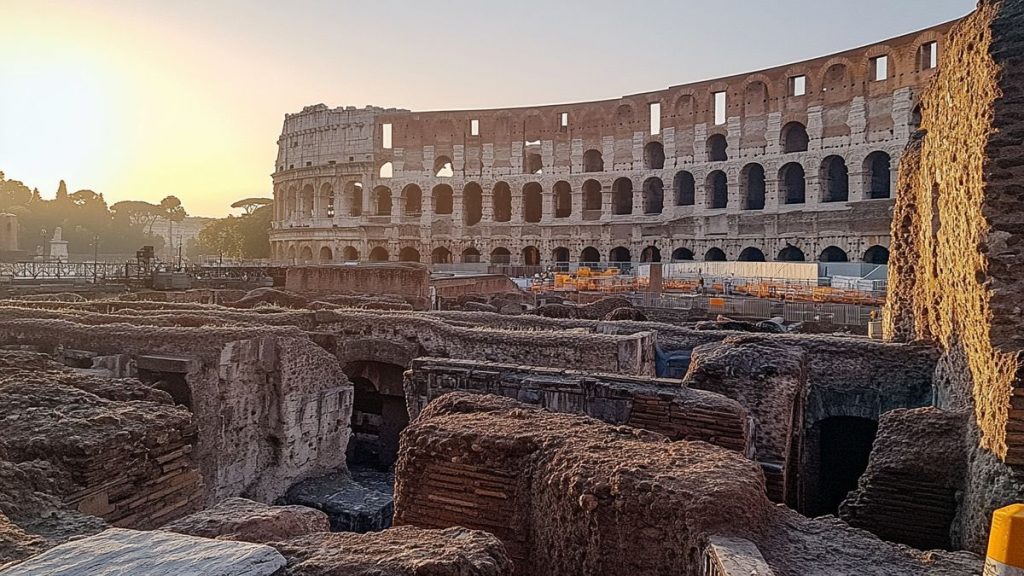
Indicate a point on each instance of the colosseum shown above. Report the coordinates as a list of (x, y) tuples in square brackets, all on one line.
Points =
[(794, 163)]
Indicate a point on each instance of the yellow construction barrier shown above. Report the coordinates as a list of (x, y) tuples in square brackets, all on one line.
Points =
[(1005, 555)]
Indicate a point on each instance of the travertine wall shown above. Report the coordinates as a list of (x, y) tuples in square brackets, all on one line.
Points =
[(404, 280)]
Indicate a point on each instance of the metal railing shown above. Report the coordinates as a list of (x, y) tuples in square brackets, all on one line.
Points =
[(759, 308)]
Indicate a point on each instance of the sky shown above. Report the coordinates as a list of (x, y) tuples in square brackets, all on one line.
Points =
[(140, 99)]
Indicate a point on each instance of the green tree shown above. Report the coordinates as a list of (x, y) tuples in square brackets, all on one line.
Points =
[(249, 205)]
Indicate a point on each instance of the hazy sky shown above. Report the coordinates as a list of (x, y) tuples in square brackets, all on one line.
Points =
[(145, 98)]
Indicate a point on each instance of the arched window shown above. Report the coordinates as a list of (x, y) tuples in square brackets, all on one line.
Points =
[(835, 180), (533, 164), (408, 254), (718, 148), (470, 256), (306, 255), (291, 253), (753, 188), (751, 254), (502, 202), (326, 255), (650, 254), (717, 190), (590, 255), (379, 254), (382, 201), (791, 254), (654, 156), (441, 255), (619, 254), (560, 254), (755, 99), (354, 198), (501, 256), (327, 200), (654, 196), (531, 256), (792, 184), (682, 254), (877, 175), (562, 199), (443, 199), (387, 170), (472, 204), (533, 202), (350, 254), (412, 200), (833, 254), (877, 255), (593, 161), (306, 210), (622, 196), (685, 189), (835, 83), (714, 255), (443, 167), (591, 195), (915, 118), (794, 138)]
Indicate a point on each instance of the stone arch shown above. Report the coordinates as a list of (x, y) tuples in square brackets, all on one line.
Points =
[(291, 254), (382, 201), (654, 156), (531, 256), (755, 98), (752, 187), (590, 255), (327, 200), (306, 255), (714, 255), (622, 196), (443, 167), (717, 190), (718, 148), (878, 175), (833, 254), (592, 195), (793, 138), (619, 254), (326, 255), (501, 201), (470, 256), (379, 254), (412, 200), (350, 254), (443, 199), (682, 254), (379, 412), (441, 255), (792, 184), (354, 198), (561, 200), (501, 255), (306, 201), (650, 254), (791, 254), (387, 170), (408, 254), (533, 202), (560, 254), (877, 255), (472, 204), (835, 180), (593, 161), (654, 196), (751, 254), (685, 188), (836, 81), (291, 200)]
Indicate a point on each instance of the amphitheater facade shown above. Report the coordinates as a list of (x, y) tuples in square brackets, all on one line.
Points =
[(794, 163)]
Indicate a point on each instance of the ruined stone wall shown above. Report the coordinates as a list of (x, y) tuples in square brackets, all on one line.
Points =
[(661, 406), (486, 284), (404, 280)]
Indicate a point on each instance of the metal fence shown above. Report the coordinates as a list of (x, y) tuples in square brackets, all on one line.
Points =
[(759, 308)]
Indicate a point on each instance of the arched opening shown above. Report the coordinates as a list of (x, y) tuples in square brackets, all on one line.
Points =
[(877, 255), (306, 199), (751, 254), (408, 254), (685, 189), (844, 446), (753, 187), (379, 413), (562, 199), (718, 148), (306, 255), (755, 99), (470, 256), (791, 254), (387, 170), (794, 138), (443, 167), (531, 256), (654, 156), (593, 161), (792, 184), (654, 196), (379, 254), (291, 254), (472, 204), (501, 256), (533, 164), (718, 190), (291, 203), (650, 254), (619, 254), (560, 254), (502, 202), (327, 200), (835, 82), (533, 202), (412, 200), (833, 254), (915, 118), (350, 254), (714, 255), (835, 180), (440, 255), (354, 198), (443, 199), (382, 201), (590, 255), (682, 254), (622, 196), (877, 175), (592, 195), (326, 255)]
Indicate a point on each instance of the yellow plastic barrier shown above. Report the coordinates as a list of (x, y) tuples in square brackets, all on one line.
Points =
[(1005, 555)]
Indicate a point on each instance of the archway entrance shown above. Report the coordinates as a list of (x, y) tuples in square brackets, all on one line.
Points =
[(379, 413), (843, 445)]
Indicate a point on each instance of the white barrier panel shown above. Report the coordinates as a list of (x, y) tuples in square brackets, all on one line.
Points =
[(801, 271)]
